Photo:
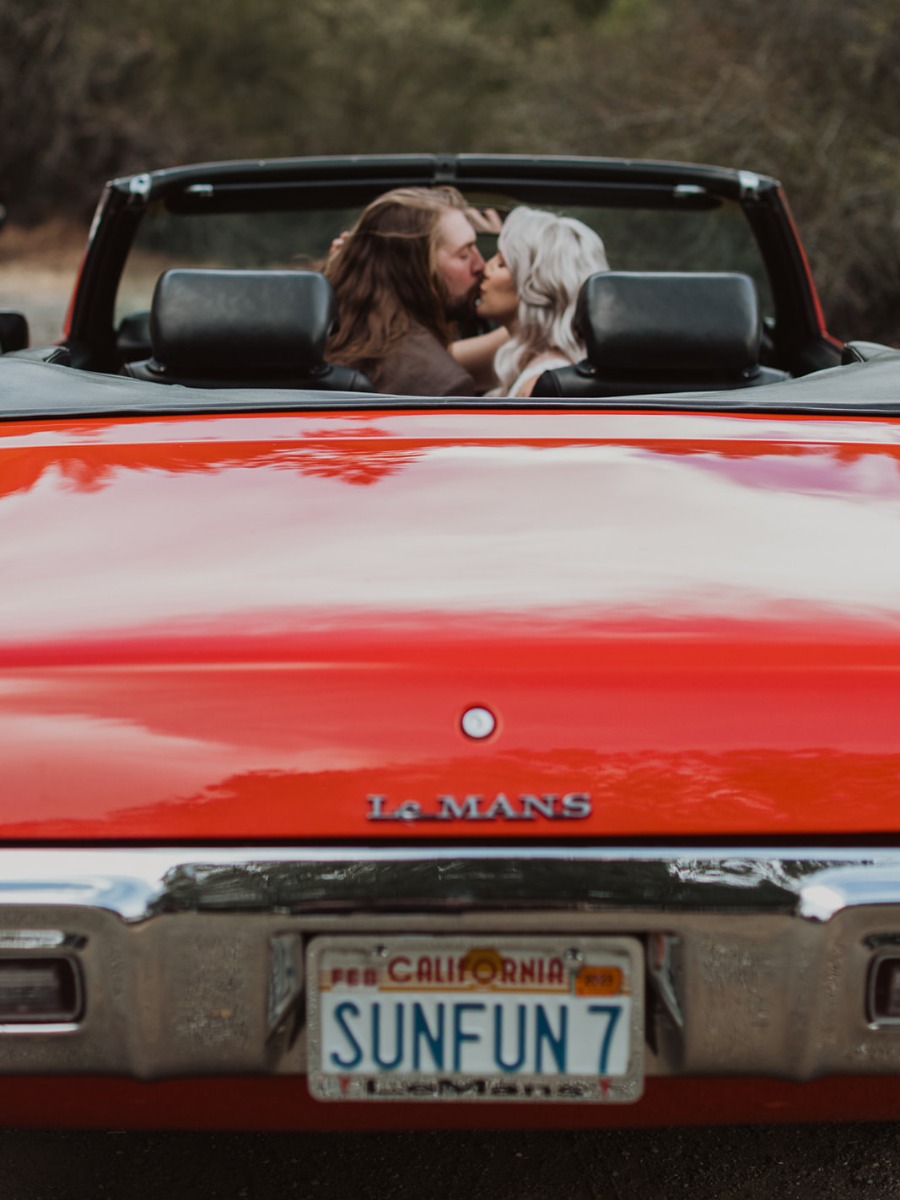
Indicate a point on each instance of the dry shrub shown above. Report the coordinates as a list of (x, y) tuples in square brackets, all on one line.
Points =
[(807, 90)]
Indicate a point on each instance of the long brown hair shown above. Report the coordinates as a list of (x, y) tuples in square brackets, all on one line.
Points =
[(385, 275)]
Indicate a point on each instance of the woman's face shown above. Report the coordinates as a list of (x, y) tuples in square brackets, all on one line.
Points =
[(497, 299)]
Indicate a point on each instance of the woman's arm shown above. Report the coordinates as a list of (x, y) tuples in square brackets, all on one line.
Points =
[(476, 354)]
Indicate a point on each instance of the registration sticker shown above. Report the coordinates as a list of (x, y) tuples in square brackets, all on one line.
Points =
[(505, 1018)]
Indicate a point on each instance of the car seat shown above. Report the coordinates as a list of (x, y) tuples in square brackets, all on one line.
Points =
[(220, 328), (650, 332)]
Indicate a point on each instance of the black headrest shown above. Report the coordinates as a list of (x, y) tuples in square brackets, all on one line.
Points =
[(669, 322), (240, 321)]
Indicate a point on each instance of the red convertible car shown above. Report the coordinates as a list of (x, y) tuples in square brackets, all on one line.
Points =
[(375, 761)]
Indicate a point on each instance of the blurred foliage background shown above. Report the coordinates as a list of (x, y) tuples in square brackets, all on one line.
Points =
[(806, 90)]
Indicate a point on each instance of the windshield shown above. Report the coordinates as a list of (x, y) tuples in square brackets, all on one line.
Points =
[(712, 238)]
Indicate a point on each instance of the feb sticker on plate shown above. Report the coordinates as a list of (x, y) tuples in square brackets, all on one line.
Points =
[(506, 1018)]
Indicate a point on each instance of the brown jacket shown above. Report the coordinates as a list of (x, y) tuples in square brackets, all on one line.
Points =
[(418, 365)]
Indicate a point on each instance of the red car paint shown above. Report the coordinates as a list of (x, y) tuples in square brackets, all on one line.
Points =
[(233, 627), (284, 1104)]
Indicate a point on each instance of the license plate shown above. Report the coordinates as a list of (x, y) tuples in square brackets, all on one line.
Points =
[(505, 1018)]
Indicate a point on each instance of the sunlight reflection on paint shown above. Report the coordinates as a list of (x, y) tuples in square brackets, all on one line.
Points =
[(459, 528)]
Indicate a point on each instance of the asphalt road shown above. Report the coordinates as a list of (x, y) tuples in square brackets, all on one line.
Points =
[(37, 271), (816, 1162)]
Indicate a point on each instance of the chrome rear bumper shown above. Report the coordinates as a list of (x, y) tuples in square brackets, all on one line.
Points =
[(191, 961)]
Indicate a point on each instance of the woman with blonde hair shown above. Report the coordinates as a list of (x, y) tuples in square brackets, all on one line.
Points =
[(530, 287)]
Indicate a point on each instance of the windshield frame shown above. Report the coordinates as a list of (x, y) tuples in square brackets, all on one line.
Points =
[(799, 338)]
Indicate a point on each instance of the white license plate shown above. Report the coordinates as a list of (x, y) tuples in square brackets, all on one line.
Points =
[(505, 1018)]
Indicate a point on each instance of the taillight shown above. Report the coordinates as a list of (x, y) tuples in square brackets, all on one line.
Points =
[(39, 990)]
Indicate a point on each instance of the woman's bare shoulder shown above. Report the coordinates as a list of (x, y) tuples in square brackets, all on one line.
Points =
[(547, 360)]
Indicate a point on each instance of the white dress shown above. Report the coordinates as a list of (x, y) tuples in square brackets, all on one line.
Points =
[(534, 369)]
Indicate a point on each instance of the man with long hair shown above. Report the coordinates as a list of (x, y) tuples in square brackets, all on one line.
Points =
[(406, 271)]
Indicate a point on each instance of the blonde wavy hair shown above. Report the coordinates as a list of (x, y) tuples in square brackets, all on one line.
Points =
[(549, 258)]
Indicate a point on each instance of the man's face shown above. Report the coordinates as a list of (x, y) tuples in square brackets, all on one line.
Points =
[(459, 263)]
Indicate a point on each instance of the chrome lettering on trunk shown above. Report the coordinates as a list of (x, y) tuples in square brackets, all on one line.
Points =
[(568, 806)]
